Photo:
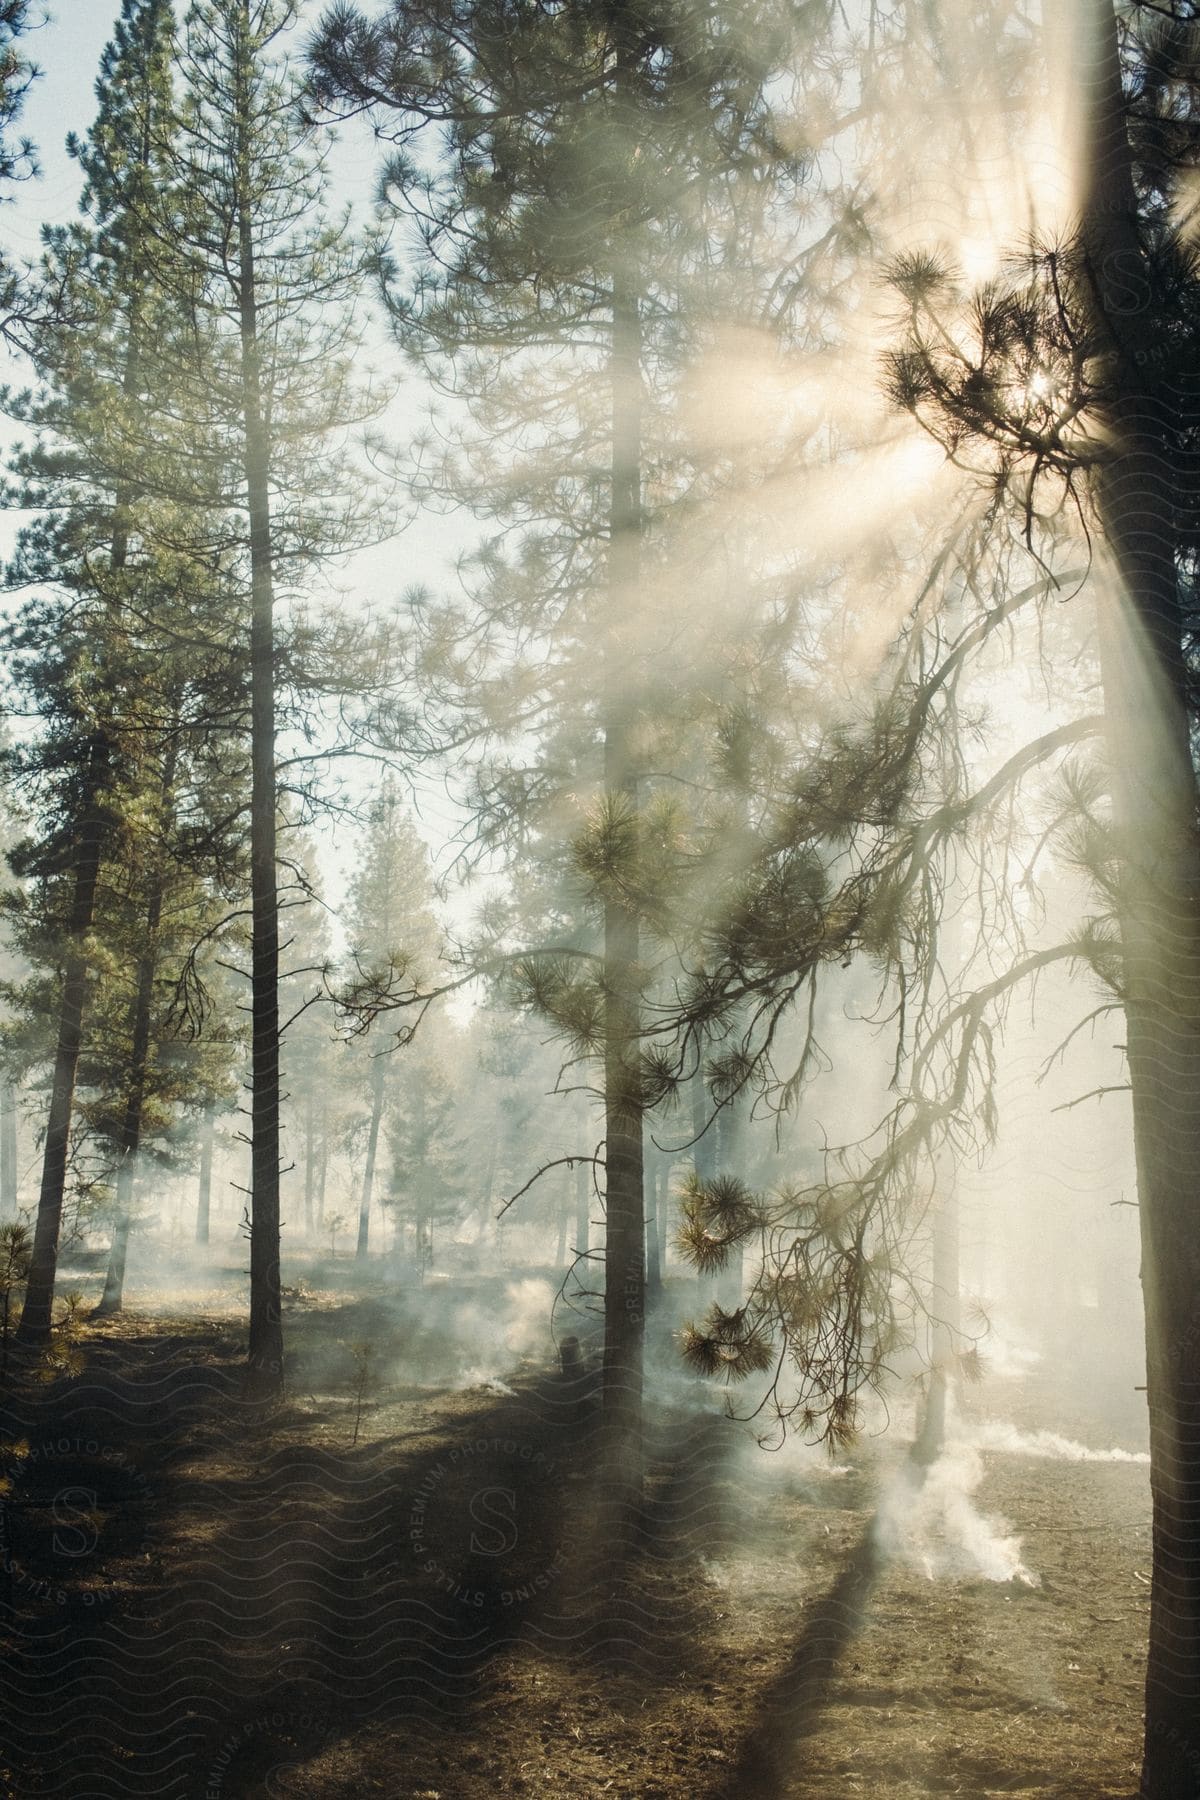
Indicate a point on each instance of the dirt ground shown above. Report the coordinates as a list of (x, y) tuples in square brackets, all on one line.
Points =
[(203, 1599)]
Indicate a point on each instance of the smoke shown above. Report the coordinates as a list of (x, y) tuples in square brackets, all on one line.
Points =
[(934, 1523), (994, 1434), (494, 1344), (935, 1526), (1007, 1359)]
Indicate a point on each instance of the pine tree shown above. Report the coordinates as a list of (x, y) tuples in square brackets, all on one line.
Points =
[(428, 1175), (313, 1057), (101, 670), (164, 1059), (271, 283), (17, 160), (393, 938), (599, 174), (1079, 380)]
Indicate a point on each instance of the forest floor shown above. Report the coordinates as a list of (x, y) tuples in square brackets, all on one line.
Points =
[(203, 1598)]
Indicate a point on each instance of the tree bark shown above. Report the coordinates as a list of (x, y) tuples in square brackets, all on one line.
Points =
[(704, 1129), (662, 1207), (265, 1363), (368, 1182), (564, 1209), (625, 1249), (1153, 792)]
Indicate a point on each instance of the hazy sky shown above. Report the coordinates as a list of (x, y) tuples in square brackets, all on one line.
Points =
[(67, 50)]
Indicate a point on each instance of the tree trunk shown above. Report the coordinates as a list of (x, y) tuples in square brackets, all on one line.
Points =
[(704, 1161), (653, 1244), (364, 1209), (1154, 817), (945, 1310), (310, 1172), (113, 1297), (139, 1056), (583, 1222), (625, 1251), (564, 1209), (204, 1193), (265, 1363), (323, 1169), (663, 1212), (36, 1314), (583, 1182), (8, 1151)]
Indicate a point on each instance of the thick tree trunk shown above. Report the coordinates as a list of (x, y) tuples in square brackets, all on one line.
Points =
[(204, 1189), (1154, 816), (625, 1249), (704, 1161), (368, 1181), (265, 1366), (583, 1183)]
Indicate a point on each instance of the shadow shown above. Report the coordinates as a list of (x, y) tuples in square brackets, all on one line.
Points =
[(210, 1594), (204, 1593), (791, 1707)]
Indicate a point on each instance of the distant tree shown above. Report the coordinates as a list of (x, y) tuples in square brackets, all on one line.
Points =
[(313, 1058), (429, 1171), (394, 937)]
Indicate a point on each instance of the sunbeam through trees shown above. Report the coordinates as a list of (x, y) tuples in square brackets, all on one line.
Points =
[(600, 927)]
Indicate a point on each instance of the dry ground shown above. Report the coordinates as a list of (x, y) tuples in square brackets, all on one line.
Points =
[(206, 1600)]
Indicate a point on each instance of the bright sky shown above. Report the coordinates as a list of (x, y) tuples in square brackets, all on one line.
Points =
[(67, 49)]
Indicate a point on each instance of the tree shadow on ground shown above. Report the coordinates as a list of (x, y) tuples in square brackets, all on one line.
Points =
[(255, 1587), (791, 1707)]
